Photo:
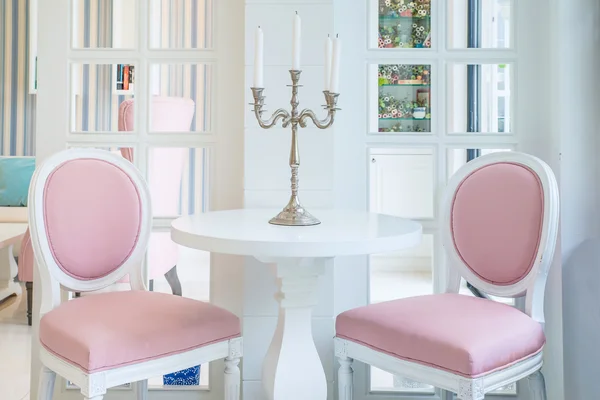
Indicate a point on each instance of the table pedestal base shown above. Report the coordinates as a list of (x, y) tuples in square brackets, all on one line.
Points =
[(8, 272), (292, 369)]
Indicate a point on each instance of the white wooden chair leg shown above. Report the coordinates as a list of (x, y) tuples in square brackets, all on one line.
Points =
[(232, 378), (537, 386), (345, 378), (142, 390), (470, 390), (46, 387)]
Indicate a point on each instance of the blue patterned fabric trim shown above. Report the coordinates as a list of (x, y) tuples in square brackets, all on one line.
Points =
[(186, 377)]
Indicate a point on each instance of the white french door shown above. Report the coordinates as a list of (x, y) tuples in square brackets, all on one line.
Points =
[(437, 79), (97, 56)]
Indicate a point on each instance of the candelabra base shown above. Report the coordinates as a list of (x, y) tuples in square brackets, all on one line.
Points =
[(294, 216)]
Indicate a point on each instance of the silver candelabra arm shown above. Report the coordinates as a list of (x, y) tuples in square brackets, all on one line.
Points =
[(331, 107), (259, 103), (294, 214)]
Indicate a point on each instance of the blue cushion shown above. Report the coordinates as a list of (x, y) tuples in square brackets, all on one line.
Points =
[(15, 177)]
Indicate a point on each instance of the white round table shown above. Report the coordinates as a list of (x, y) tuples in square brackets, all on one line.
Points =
[(292, 369)]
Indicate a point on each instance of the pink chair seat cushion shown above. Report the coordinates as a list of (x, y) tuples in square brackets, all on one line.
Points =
[(461, 334), (111, 330)]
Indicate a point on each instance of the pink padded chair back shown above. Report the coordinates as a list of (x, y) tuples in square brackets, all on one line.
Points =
[(89, 219), (92, 216), (168, 114), (497, 219)]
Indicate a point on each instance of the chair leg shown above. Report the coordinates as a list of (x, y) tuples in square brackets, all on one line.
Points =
[(345, 378), (471, 390), (29, 287), (174, 282), (232, 378), (537, 386), (142, 390), (46, 386)]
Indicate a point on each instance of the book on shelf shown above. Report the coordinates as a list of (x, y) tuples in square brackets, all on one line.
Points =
[(126, 77)]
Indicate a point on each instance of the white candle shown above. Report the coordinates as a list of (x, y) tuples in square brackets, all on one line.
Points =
[(328, 60), (296, 43), (334, 86), (259, 58)]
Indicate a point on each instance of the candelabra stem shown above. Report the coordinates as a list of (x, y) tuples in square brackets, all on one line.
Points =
[(293, 213)]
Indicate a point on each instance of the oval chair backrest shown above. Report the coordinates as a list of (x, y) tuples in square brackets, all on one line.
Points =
[(90, 218), (499, 221)]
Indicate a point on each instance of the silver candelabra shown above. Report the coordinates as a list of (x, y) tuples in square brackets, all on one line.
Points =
[(294, 214)]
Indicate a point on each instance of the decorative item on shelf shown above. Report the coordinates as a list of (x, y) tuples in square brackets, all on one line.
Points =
[(294, 214), (404, 24), (186, 377), (390, 107), (403, 74)]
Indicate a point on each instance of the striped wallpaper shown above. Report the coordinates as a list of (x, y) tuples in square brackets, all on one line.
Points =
[(17, 106)]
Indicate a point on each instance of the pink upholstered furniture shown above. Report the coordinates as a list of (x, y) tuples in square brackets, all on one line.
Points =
[(168, 114), (172, 114), (90, 222), (500, 222)]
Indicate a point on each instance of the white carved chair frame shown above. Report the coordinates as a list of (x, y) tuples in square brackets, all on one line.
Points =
[(532, 286), (53, 278)]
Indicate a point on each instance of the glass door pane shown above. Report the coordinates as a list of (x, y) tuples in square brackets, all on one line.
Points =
[(181, 271), (403, 98), (484, 24), (404, 24), (479, 98)]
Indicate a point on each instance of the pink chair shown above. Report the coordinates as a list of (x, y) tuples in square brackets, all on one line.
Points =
[(168, 114), (172, 114), (499, 228), (90, 222)]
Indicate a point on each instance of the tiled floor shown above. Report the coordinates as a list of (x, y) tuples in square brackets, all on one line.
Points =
[(15, 347)]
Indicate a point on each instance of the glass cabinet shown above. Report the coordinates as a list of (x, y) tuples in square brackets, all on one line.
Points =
[(404, 24), (403, 98)]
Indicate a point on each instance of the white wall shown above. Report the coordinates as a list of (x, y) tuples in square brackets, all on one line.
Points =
[(267, 174), (577, 54)]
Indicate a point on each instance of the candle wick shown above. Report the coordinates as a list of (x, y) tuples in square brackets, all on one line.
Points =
[(296, 12), (337, 36)]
